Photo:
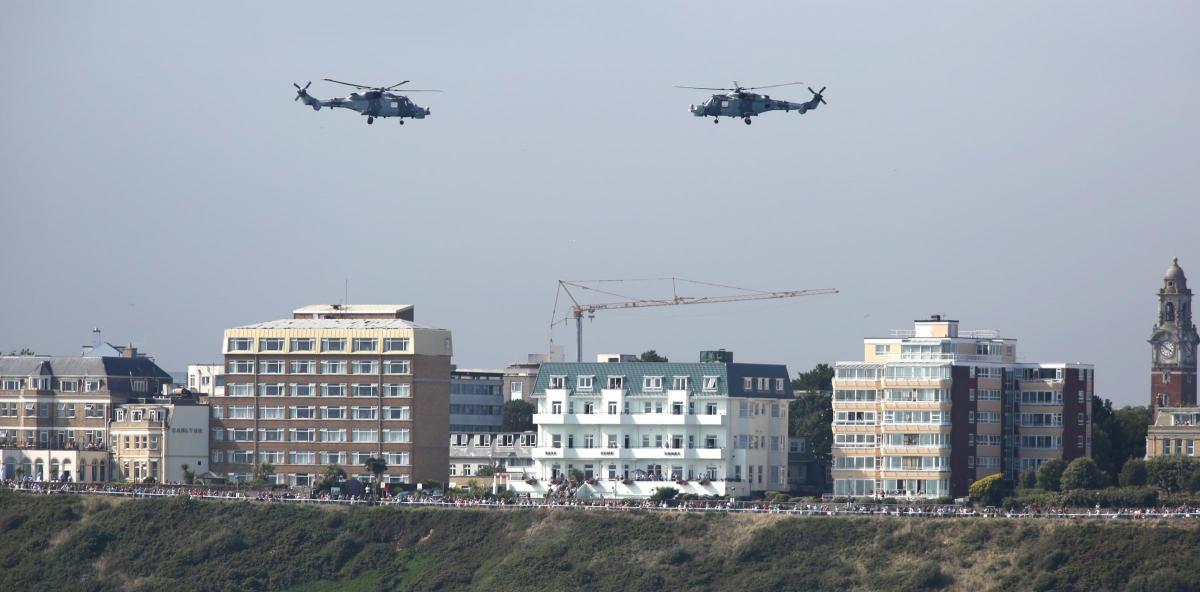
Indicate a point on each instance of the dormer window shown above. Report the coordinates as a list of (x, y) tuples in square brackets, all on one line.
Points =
[(680, 383), (747, 383), (710, 383), (585, 383), (617, 382), (239, 344), (558, 382), (652, 383)]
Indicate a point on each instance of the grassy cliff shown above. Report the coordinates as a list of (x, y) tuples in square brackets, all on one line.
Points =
[(74, 543)]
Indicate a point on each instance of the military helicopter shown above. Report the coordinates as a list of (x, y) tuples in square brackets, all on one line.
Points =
[(737, 102), (376, 101)]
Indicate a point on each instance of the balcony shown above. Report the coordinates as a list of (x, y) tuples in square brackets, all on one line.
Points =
[(630, 419), (630, 453)]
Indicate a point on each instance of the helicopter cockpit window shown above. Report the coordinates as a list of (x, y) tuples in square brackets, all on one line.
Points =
[(724, 103), (395, 104)]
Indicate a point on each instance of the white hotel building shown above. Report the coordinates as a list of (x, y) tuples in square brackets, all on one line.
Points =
[(707, 428)]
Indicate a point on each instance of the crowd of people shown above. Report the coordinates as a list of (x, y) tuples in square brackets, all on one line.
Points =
[(573, 503)]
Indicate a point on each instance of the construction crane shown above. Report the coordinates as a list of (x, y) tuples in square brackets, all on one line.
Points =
[(579, 309)]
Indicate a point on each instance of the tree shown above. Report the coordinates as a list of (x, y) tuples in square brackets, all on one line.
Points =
[(1049, 475), (1118, 435), (810, 416), (262, 471), (376, 466), (518, 417), (651, 356), (486, 471), (1028, 479), (1171, 474), (1082, 473), (990, 490), (1133, 474), (331, 476), (22, 352), (188, 476), (664, 493), (819, 379), (576, 475)]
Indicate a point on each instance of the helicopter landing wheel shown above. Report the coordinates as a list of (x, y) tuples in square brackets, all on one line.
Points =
[(401, 122), (747, 120), (715, 120), (370, 120)]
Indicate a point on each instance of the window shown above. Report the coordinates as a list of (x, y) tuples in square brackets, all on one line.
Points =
[(514, 389), (779, 388), (270, 434), (306, 412), (1081, 397), (333, 413), (970, 417), (743, 409), (270, 413), (270, 344), (365, 412), (303, 434), (332, 458), (710, 383), (365, 390), (333, 344), (91, 385), (331, 435), (241, 412), (612, 407), (556, 407), (333, 367), (303, 344), (558, 382), (652, 383), (397, 367), (361, 435), (397, 390), (364, 367), (218, 456), (882, 349), (556, 440), (584, 383), (333, 390), (240, 367), (1080, 418), (68, 386), (218, 412), (303, 367), (851, 395), (747, 384), (364, 344), (304, 390), (274, 389), (764, 384), (64, 410), (241, 434), (400, 413), (618, 382), (302, 458), (395, 344), (397, 459), (239, 344), (853, 462), (680, 383), (395, 436)]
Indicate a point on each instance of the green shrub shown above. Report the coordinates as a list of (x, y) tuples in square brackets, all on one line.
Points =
[(1028, 479), (1133, 474), (990, 490), (1082, 473), (1113, 497), (664, 493), (1049, 475), (1171, 474)]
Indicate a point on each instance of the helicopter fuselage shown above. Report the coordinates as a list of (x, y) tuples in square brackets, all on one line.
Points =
[(747, 105), (371, 104)]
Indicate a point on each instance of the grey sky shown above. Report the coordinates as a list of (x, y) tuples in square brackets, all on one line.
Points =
[(1029, 167)]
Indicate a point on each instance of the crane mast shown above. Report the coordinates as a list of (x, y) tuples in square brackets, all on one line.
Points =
[(577, 309)]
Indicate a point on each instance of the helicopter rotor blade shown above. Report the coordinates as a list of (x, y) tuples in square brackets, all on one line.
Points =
[(395, 85), (346, 83), (772, 85), (408, 90), (704, 88)]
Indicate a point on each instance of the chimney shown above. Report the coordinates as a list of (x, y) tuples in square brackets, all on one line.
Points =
[(129, 351)]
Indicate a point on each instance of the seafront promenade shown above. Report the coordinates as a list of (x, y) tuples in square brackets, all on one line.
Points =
[(1181, 513)]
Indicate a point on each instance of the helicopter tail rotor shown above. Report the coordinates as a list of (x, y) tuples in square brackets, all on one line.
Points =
[(302, 93), (818, 94)]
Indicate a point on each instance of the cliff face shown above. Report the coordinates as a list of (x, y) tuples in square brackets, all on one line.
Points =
[(74, 543)]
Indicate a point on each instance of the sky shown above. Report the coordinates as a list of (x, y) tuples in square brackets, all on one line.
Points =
[(1028, 167)]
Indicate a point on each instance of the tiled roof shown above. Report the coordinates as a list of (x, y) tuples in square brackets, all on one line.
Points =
[(80, 366)]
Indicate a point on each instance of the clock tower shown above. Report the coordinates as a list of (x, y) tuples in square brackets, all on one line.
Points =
[(1174, 341)]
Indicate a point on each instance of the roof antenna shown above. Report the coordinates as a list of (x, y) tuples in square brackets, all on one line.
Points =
[(346, 292)]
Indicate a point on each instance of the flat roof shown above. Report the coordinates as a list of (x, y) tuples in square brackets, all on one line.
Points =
[(304, 324), (352, 309)]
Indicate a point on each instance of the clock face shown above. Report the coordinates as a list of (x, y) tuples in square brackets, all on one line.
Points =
[(1167, 350)]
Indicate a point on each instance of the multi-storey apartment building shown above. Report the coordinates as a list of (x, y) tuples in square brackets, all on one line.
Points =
[(55, 411), (711, 428), (929, 411), (511, 451), (206, 379), (476, 400), (155, 437), (334, 384)]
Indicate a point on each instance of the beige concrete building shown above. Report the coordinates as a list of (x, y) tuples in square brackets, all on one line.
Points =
[(154, 438), (55, 411), (1175, 431), (929, 411), (334, 384)]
